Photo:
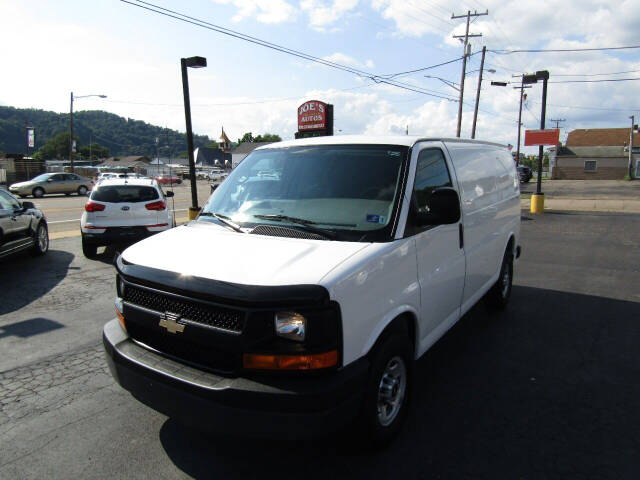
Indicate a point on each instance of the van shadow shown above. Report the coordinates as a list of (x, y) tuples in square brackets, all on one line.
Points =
[(546, 388), (24, 278)]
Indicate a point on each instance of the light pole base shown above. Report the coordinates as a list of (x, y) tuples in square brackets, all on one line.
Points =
[(537, 203), (193, 213)]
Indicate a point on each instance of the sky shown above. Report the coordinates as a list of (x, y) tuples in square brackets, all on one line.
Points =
[(133, 56)]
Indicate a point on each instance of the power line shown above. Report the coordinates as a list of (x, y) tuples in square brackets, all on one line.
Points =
[(584, 107), (592, 74), (422, 69), (556, 50), (598, 81), (241, 36)]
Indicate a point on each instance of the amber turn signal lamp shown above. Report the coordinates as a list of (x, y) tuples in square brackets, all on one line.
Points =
[(290, 362), (121, 319)]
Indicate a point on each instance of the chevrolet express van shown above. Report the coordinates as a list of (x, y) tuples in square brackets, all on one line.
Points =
[(312, 280)]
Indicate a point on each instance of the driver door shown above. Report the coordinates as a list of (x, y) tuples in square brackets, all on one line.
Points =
[(14, 222)]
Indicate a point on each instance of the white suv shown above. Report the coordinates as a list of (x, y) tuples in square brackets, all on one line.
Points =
[(124, 210)]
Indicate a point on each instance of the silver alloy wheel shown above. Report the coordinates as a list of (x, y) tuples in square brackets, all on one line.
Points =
[(43, 239), (506, 277), (391, 391)]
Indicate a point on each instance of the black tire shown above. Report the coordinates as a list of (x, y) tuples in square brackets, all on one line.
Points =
[(82, 190), (42, 240), (394, 348), (498, 297), (38, 192), (90, 250)]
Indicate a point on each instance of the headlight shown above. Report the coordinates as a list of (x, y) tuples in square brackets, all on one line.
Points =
[(290, 325)]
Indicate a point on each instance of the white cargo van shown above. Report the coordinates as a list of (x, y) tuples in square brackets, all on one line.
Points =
[(314, 277)]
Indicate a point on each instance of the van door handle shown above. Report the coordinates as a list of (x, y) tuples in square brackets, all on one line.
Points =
[(461, 234)]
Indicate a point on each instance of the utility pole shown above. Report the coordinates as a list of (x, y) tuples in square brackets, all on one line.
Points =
[(633, 118), (558, 121), (475, 112), (465, 52), (523, 96)]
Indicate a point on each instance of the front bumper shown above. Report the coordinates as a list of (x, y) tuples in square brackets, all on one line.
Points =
[(290, 406)]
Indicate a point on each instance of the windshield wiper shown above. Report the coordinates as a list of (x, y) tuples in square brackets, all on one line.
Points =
[(224, 219), (305, 224)]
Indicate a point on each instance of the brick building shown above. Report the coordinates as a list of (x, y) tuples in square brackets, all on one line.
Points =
[(596, 154)]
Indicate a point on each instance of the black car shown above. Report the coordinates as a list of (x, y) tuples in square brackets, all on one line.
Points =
[(525, 174), (22, 227)]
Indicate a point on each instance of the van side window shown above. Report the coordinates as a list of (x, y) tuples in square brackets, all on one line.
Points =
[(431, 173)]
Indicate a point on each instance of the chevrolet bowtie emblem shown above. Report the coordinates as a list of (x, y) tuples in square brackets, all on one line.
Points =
[(169, 321)]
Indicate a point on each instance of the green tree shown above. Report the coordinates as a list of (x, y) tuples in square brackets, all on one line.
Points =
[(56, 148), (268, 137), (93, 151), (247, 137)]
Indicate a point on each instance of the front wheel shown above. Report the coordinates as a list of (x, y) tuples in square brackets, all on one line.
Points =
[(82, 190), (38, 192), (388, 390), (42, 240), (498, 297), (89, 250)]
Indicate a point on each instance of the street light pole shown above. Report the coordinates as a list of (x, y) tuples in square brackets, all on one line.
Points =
[(194, 62), (633, 119), (71, 134), (544, 75), (71, 124)]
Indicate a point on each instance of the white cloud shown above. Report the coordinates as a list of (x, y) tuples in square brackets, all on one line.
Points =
[(323, 13), (344, 59), (265, 11)]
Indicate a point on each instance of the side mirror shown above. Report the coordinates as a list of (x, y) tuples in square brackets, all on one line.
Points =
[(27, 205), (444, 208), (168, 194)]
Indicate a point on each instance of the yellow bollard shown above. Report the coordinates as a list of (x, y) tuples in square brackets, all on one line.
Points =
[(537, 203), (193, 213)]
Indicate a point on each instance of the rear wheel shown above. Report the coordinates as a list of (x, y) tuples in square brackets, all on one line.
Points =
[(498, 297), (387, 394), (82, 190), (42, 240), (38, 192), (90, 250)]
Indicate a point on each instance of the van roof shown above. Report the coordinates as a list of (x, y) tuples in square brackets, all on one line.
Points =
[(405, 140)]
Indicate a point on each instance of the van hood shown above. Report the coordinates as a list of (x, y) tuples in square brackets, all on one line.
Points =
[(214, 252)]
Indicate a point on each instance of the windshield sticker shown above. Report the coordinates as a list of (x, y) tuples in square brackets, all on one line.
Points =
[(375, 218), (392, 153)]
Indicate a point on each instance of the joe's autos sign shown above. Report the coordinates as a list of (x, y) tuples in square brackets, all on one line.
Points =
[(312, 115)]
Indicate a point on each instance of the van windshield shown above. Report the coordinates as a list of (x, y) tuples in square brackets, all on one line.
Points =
[(351, 190), (124, 193)]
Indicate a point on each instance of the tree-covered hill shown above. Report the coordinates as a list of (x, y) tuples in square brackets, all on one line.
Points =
[(122, 136)]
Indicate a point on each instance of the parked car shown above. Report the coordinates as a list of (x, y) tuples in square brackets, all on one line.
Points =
[(22, 227), (524, 173), (47, 183), (340, 269), (168, 180), (123, 210)]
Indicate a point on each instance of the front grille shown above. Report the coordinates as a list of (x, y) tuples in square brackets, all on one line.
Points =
[(210, 315)]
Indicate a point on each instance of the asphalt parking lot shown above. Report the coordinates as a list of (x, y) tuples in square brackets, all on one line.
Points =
[(547, 389)]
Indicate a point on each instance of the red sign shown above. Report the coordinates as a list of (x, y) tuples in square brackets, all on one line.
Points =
[(541, 137), (312, 115)]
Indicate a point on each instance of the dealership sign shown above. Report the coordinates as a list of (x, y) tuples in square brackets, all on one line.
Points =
[(312, 115), (541, 137)]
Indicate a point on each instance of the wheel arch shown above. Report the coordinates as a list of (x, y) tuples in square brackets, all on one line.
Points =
[(403, 320)]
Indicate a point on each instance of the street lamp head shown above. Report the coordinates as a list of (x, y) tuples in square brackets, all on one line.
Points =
[(195, 62), (102, 96), (499, 84), (491, 70), (542, 75)]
